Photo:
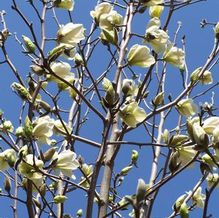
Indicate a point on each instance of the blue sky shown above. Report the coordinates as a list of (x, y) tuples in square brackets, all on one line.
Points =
[(198, 45)]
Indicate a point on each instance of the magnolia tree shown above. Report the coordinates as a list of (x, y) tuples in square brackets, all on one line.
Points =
[(67, 152)]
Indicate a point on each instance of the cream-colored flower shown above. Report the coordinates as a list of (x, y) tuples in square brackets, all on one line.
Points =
[(206, 77), (186, 154), (174, 56), (66, 162), (60, 129), (129, 88), (65, 4), (211, 179), (157, 38), (210, 124), (155, 21), (7, 159), (187, 107), (62, 70), (198, 198), (101, 9), (109, 20), (7, 126), (216, 135), (30, 166), (70, 34), (152, 2), (43, 129), (131, 114), (139, 55), (156, 11)]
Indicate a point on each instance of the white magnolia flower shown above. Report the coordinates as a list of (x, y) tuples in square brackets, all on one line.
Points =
[(139, 55), (198, 198), (186, 154), (157, 38), (109, 20), (210, 124), (187, 107), (62, 70), (211, 179), (7, 158), (131, 114), (153, 2), (43, 129), (101, 9), (65, 4), (129, 88), (29, 168), (66, 162), (174, 56), (155, 21), (205, 78), (60, 129), (70, 34)]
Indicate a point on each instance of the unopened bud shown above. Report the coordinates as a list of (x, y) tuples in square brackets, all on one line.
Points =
[(28, 127), (165, 136), (184, 212), (78, 60), (56, 52), (134, 157), (158, 100), (140, 191), (30, 46), (42, 189), (59, 199), (79, 213), (37, 70), (125, 170), (19, 132), (21, 91), (7, 184), (216, 30)]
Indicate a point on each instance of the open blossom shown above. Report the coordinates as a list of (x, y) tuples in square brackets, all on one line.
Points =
[(157, 38), (29, 167), (139, 55), (62, 70), (7, 158), (174, 56), (101, 9), (186, 154), (198, 198), (65, 4), (70, 34), (131, 114), (211, 179), (43, 129), (210, 124), (66, 162), (187, 107)]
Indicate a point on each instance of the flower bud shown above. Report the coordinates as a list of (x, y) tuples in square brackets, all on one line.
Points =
[(56, 52), (156, 11), (79, 213), (173, 163), (179, 202), (6, 126), (165, 136), (28, 127), (205, 78), (42, 189), (109, 36), (78, 60), (134, 157), (87, 169), (30, 46), (140, 191), (21, 91), (7, 184), (64, 4), (127, 86), (47, 156), (184, 212), (125, 170), (37, 70), (158, 100), (59, 199)]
